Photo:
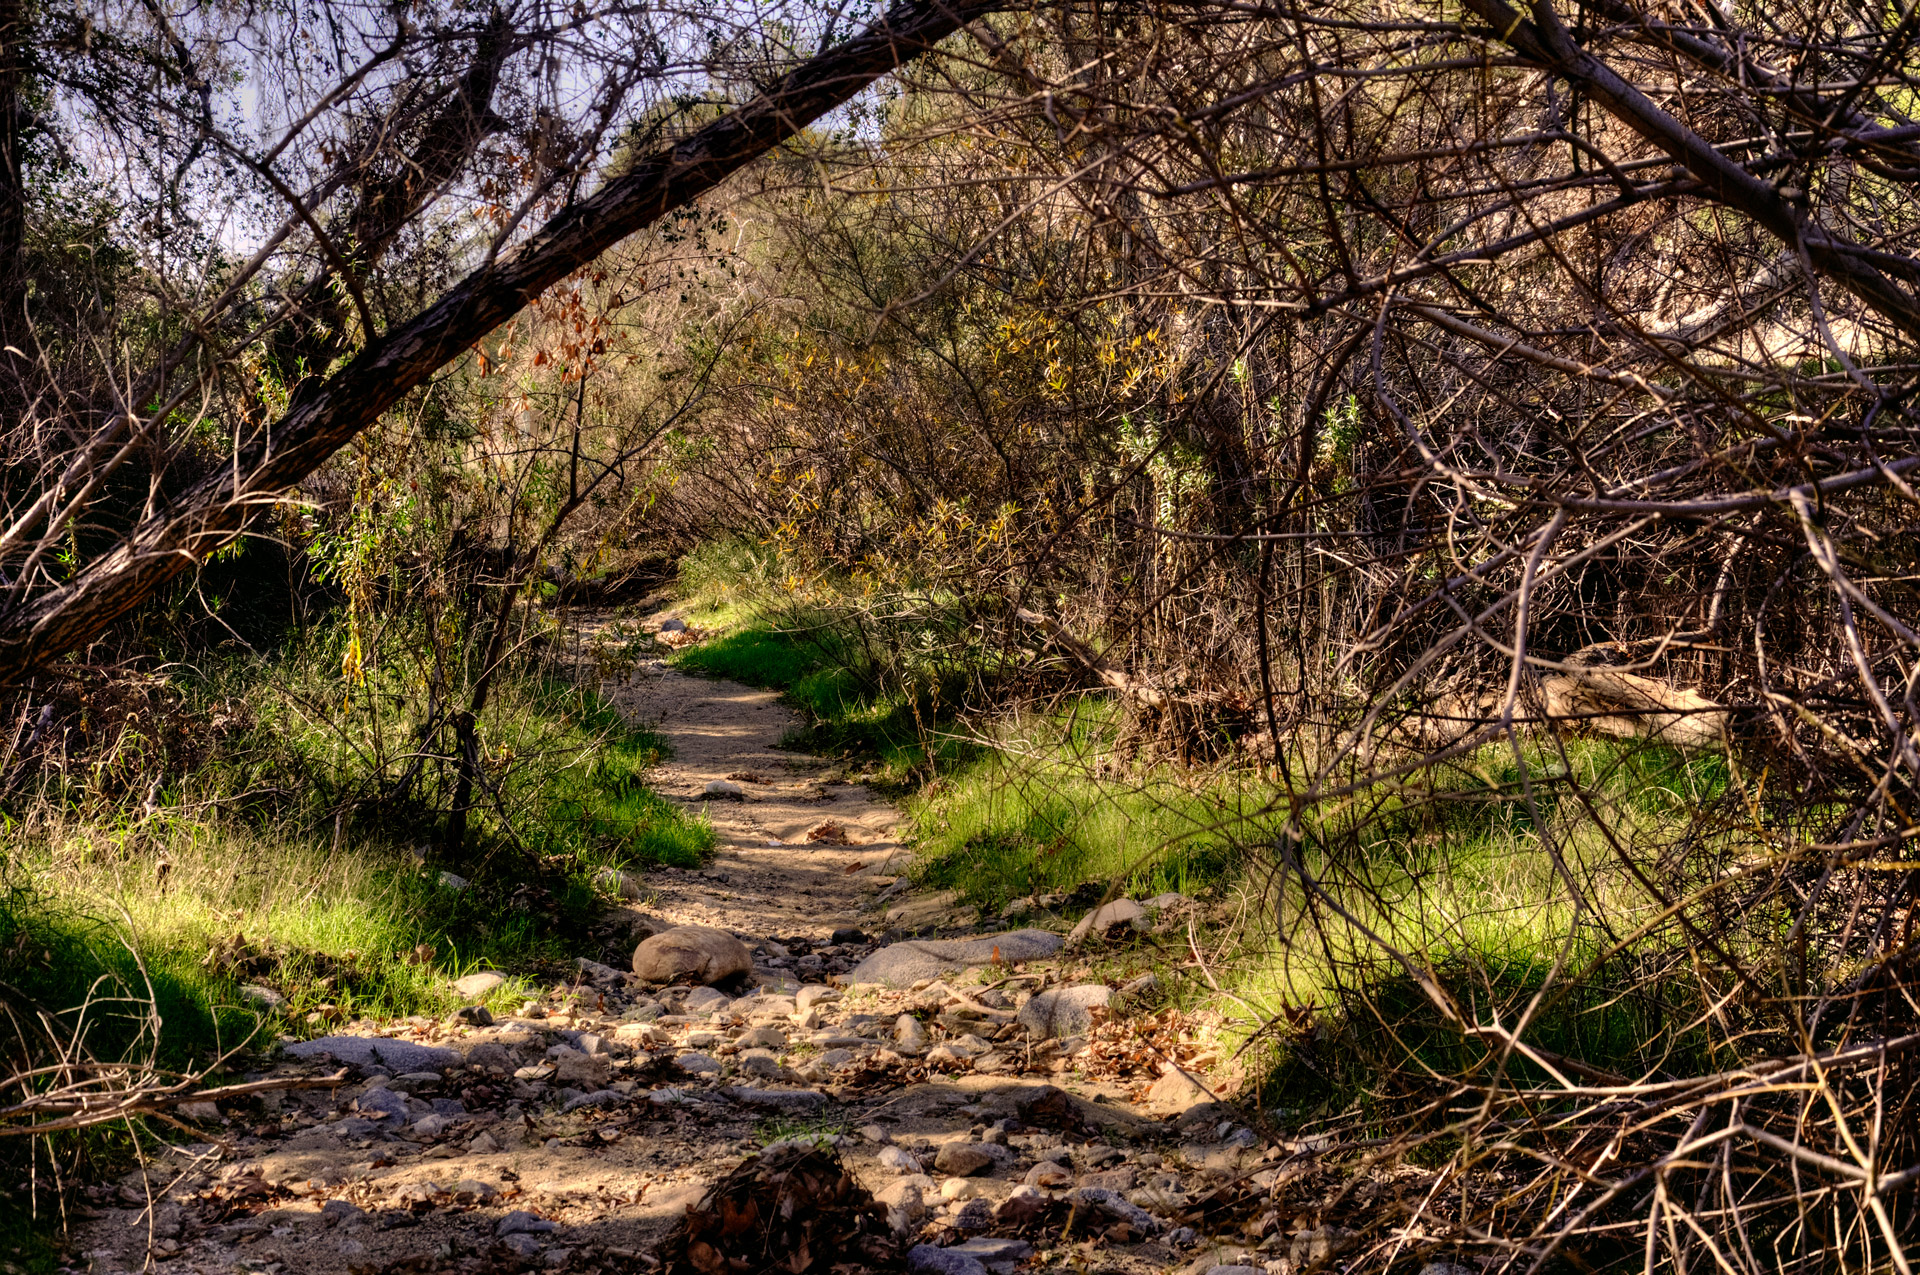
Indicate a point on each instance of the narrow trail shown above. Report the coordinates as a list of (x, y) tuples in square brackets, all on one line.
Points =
[(768, 878), (574, 1135)]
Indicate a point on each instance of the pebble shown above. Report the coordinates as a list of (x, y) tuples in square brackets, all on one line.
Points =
[(961, 1159), (1049, 1174), (925, 1259), (908, 1033), (695, 1063), (520, 1221), (899, 1160)]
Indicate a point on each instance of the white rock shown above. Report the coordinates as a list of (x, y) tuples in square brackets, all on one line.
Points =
[(479, 983), (698, 952), (724, 788), (899, 1160), (1107, 918), (454, 881)]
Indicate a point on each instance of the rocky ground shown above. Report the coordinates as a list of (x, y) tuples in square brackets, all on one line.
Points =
[(1005, 1108)]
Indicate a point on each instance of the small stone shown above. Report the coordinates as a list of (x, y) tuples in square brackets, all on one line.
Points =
[(814, 994), (762, 1038), (973, 1217), (697, 952), (961, 1159), (849, 935), (338, 1212), (483, 1145), (474, 1016), (874, 1133), (522, 1245), (1315, 1246), (572, 1067), (961, 1188), (723, 788), (473, 1191), (899, 1160), (1064, 1011), (908, 1033), (1236, 1270), (1447, 1268), (600, 1099), (1050, 1174), (622, 885), (760, 1063), (598, 973), (910, 1191), (1090, 1203), (925, 1259), (199, 1110), (1107, 918), (555, 1258), (382, 1103), (695, 1063), (479, 983), (1176, 1089), (262, 997), (705, 1000), (520, 1222), (994, 1250), (673, 624), (453, 881)]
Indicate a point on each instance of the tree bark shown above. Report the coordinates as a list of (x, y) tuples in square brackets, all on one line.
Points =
[(211, 512)]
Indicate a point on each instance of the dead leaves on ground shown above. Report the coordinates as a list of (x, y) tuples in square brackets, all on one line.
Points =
[(793, 1209)]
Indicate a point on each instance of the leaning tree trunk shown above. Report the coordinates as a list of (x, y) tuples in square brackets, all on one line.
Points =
[(214, 510)]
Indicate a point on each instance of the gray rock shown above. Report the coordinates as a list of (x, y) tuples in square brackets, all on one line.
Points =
[(1050, 1174), (704, 1000), (474, 1015), (571, 1067), (991, 1250), (723, 788), (601, 1098), (1107, 918), (903, 964), (760, 1063), (779, 1099), (915, 1188), (338, 1212), (262, 997), (479, 983), (1089, 1202), (556, 1258), (490, 1053), (974, 1216), (520, 1222), (909, 1034), (1163, 902), (762, 1038), (1319, 1244), (622, 885), (597, 972), (454, 881), (383, 1104), (452, 1108), (1064, 1011), (522, 1245), (698, 952), (429, 1126), (813, 994), (673, 624), (377, 1051), (695, 1063), (925, 1259)]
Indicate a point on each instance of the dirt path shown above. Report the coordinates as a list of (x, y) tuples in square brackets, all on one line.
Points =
[(769, 878), (574, 1135)]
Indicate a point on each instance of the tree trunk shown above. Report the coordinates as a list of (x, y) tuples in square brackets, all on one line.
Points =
[(213, 511)]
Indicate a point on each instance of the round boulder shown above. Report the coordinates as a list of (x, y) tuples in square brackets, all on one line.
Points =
[(696, 953)]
